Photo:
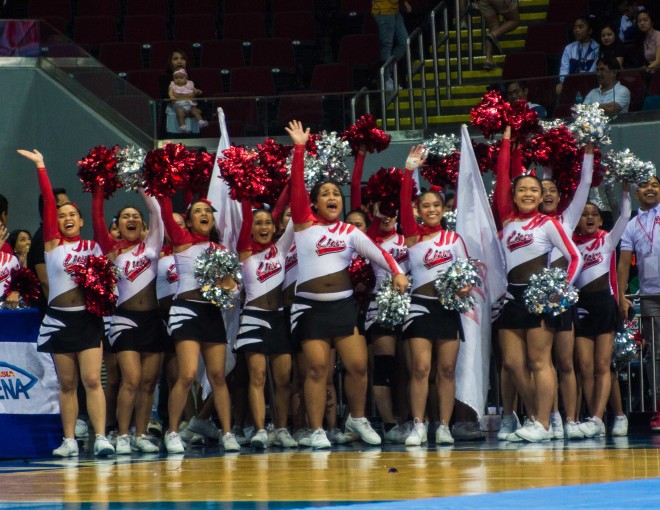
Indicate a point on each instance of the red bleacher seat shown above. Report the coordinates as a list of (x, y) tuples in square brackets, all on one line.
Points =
[(291, 5), (547, 38), (255, 81), (144, 28), (146, 80), (306, 108), (566, 11), (147, 7), (654, 85), (574, 83), (272, 52), (634, 80), (96, 8), (56, 22), (121, 56), (223, 54), (369, 49), (363, 6), (244, 26), (95, 30), (208, 7), (161, 50), (254, 6), (524, 65), (299, 26), (208, 80), (41, 8), (194, 27), (332, 78)]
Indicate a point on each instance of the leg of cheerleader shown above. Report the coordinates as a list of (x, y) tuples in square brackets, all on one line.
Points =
[(214, 359), (151, 367), (384, 351), (281, 369), (602, 379), (539, 353), (421, 351), (317, 357), (564, 343), (331, 392), (514, 362), (446, 355), (615, 401), (585, 348), (131, 374), (66, 366), (298, 415), (354, 355), (90, 361), (187, 353), (112, 381), (256, 362)]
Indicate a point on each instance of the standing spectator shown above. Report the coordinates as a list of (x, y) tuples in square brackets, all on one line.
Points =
[(20, 241), (490, 10), (612, 97), (516, 90), (639, 238), (649, 39), (392, 33), (610, 44), (579, 56)]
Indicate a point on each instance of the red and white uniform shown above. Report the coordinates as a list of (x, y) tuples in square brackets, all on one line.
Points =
[(290, 267), (392, 243), (7, 263), (598, 250), (435, 255), (167, 279)]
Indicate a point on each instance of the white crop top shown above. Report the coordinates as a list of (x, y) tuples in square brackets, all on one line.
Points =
[(290, 267), (7, 263), (435, 255), (59, 262), (167, 279), (396, 247), (185, 265)]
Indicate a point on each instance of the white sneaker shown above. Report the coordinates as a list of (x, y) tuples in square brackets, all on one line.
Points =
[(239, 435), (123, 446), (509, 425), (467, 431), (397, 434), (620, 428), (229, 443), (260, 440), (557, 425), (336, 436), (204, 427), (591, 427), (303, 437), (572, 430), (102, 446), (319, 440), (443, 435), (82, 430), (270, 431), (68, 448), (143, 445), (602, 432), (534, 432), (173, 443), (362, 427), (417, 435), (284, 439)]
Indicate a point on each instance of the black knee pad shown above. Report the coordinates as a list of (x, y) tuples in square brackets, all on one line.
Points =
[(383, 370)]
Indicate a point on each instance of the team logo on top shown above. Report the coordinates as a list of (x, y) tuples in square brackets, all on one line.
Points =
[(592, 259), (399, 254), (267, 270), (327, 245), (4, 275), (435, 258), (73, 260), (291, 259), (133, 269), (171, 275), (518, 240)]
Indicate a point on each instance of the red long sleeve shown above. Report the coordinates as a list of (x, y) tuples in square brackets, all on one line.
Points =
[(374, 228), (245, 236), (408, 223), (282, 203), (101, 234), (51, 230), (502, 194), (301, 212), (356, 182), (178, 235), (187, 198), (516, 163)]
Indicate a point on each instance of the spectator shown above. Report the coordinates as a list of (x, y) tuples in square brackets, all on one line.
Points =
[(490, 10), (4, 219), (612, 97), (626, 23), (177, 60), (182, 91), (392, 33), (579, 56), (20, 241), (610, 44), (649, 39), (516, 90)]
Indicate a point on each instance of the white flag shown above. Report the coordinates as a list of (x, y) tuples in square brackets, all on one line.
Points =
[(475, 224)]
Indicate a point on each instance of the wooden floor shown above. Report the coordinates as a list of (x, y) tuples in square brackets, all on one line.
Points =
[(352, 474)]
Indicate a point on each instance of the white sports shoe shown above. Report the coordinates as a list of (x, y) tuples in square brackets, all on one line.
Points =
[(173, 443), (68, 448), (534, 432), (143, 445), (509, 425), (572, 430), (557, 426), (417, 435), (284, 439), (362, 427), (260, 440), (102, 446), (591, 427), (123, 446), (319, 440), (620, 427), (204, 427), (443, 435), (229, 443), (397, 434), (82, 430)]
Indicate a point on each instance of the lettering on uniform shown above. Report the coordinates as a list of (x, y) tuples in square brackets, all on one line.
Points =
[(516, 240), (592, 259), (133, 269), (327, 245), (267, 270), (171, 275), (435, 258)]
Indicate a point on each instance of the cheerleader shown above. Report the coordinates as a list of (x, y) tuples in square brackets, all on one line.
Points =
[(136, 334), (69, 332), (196, 325), (431, 250), (263, 330), (528, 237), (597, 308), (324, 311), (8, 263)]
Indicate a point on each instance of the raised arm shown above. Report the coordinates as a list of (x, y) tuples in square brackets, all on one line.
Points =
[(502, 192), (101, 234), (155, 236), (574, 210), (356, 179), (244, 245), (408, 224), (282, 202), (51, 230), (370, 250), (301, 212), (178, 235)]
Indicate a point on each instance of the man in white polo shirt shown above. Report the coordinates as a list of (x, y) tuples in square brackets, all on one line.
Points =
[(612, 97), (642, 237)]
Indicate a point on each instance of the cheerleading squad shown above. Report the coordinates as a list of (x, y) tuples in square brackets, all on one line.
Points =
[(299, 309)]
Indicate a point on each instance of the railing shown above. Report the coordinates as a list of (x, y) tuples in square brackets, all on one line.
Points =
[(418, 36), (364, 93), (387, 97), (441, 8)]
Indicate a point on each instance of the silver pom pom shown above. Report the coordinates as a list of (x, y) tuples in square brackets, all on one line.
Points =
[(129, 167), (332, 153), (463, 273), (626, 346), (20, 306), (547, 125), (591, 125), (441, 146), (549, 292), (450, 220), (211, 266), (624, 166), (393, 307)]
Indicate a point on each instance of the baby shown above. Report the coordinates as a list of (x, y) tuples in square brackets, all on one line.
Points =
[(182, 91)]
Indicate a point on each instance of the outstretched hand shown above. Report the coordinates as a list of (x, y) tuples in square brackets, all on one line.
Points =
[(297, 133), (4, 234), (401, 283), (416, 157), (35, 156)]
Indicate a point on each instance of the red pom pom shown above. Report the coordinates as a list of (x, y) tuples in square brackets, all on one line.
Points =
[(273, 158), (165, 170), (491, 114), (554, 149), (98, 278), (240, 169), (384, 186), (366, 132), (199, 172), (26, 283), (443, 171), (522, 119), (362, 273), (486, 155), (99, 167), (310, 146)]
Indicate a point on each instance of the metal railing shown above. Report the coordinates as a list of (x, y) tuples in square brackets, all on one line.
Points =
[(418, 36), (441, 8), (390, 70), (364, 93)]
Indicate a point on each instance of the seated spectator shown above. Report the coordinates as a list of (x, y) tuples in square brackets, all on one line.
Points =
[(177, 60), (612, 97), (626, 22), (610, 44), (579, 56), (649, 40), (491, 10), (516, 90), (20, 241)]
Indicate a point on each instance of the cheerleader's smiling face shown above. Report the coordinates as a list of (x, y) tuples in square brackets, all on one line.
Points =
[(328, 202), (69, 221), (527, 194), (590, 221), (550, 196), (130, 224), (200, 218), (431, 208), (263, 227), (388, 223)]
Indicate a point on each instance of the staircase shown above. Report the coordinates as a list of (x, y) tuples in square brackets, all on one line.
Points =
[(475, 83)]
